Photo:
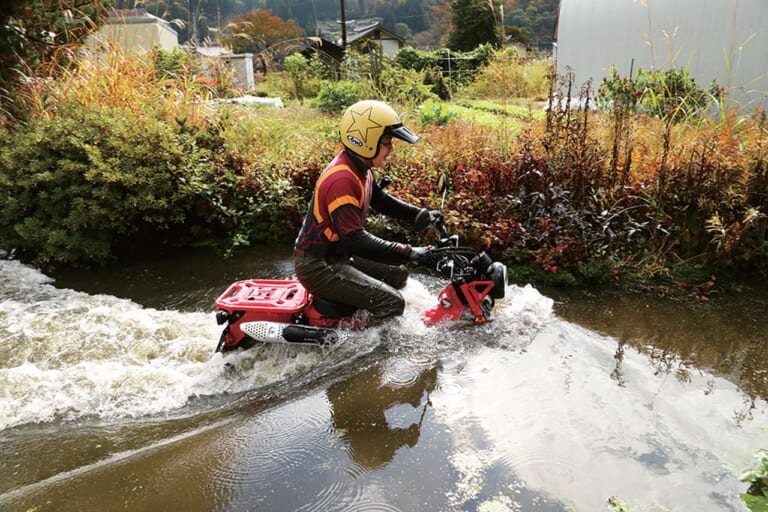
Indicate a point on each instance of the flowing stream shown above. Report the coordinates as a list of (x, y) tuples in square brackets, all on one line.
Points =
[(111, 398)]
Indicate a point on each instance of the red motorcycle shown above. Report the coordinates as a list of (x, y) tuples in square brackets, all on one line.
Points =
[(283, 311)]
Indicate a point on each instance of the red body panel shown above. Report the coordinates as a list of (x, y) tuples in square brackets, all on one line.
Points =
[(450, 305)]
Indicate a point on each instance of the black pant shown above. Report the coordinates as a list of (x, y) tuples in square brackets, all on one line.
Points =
[(358, 282)]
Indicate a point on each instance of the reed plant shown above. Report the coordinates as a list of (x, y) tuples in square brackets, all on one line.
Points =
[(117, 80)]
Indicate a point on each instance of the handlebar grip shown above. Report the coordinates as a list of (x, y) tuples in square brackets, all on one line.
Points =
[(439, 225)]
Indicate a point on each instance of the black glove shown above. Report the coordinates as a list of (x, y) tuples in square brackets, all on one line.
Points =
[(422, 256)]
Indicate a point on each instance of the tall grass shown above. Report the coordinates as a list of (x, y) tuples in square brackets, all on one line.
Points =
[(508, 76), (117, 80)]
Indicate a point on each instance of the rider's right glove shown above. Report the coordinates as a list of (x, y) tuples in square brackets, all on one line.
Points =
[(422, 256)]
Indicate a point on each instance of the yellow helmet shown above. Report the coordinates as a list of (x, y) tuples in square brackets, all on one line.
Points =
[(366, 122)]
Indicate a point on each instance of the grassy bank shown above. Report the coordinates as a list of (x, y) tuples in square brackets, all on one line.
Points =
[(107, 161)]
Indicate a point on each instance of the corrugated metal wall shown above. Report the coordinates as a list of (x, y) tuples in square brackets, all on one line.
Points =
[(723, 40)]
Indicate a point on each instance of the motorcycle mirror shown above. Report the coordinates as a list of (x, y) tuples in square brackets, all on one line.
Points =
[(442, 188)]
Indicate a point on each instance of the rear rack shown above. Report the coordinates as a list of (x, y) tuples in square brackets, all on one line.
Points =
[(263, 295)]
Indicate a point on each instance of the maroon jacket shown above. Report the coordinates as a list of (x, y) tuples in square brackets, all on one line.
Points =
[(334, 226)]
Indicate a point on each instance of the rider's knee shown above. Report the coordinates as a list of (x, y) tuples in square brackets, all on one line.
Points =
[(387, 304)]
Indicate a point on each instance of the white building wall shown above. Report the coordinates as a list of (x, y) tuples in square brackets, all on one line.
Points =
[(723, 40), (134, 38), (243, 66), (167, 39), (390, 46)]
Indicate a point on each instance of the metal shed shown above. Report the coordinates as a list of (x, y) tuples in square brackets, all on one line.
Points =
[(722, 40), (135, 31)]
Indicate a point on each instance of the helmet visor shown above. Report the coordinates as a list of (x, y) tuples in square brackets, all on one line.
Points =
[(403, 133)]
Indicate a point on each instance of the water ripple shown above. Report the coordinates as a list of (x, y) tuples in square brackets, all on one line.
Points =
[(288, 445), (534, 461), (371, 507), (399, 373)]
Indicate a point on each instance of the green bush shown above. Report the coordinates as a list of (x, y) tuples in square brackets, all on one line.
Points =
[(618, 92), (674, 94), (175, 63), (411, 58), (403, 86), (671, 94), (435, 113), (303, 74), (334, 97), (74, 187), (459, 68), (433, 78), (379, 76)]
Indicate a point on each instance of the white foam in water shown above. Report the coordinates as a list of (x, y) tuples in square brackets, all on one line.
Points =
[(67, 354), (515, 319), (418, 299), (523, 309), (521, 314)]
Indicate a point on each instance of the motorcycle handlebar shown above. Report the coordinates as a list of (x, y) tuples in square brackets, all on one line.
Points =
[(452, 259)]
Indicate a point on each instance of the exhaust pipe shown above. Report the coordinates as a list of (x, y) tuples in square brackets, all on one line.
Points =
[(275, 332)]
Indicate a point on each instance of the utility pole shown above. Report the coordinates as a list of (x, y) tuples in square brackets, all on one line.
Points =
[(343, 28), (503, 28)]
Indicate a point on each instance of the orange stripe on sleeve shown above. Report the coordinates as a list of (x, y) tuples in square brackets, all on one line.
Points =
[(342, 201), (330, 235)]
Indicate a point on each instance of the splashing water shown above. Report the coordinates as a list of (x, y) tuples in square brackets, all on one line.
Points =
[(69, 355)]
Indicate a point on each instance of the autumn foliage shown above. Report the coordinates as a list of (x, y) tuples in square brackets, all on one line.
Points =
[(259, 31)]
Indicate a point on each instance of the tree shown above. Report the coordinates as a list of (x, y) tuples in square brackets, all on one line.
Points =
[(258, 32), (440, 25), (34, 32), (537, 17), (474, 23), (37, 36), (518, 35)]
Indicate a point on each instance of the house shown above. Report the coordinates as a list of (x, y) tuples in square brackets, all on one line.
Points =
[(711, 39), (359, 37), (332, 53), (135, 31)]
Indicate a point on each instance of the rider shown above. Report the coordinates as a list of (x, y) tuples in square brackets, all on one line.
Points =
[(335, 257)]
